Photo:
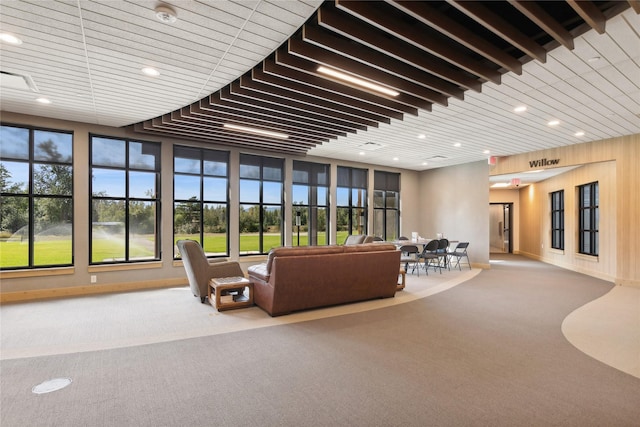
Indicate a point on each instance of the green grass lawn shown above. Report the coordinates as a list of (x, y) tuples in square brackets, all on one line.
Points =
[(57, 252)]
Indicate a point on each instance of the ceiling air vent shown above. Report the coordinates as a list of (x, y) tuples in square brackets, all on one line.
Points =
[(437, 158), (17, 81), (370, 146)]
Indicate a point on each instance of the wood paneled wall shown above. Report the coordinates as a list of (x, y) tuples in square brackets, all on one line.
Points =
[(614, 163)]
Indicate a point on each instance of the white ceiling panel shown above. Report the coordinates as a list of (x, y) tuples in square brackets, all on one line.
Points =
[(96, 48)]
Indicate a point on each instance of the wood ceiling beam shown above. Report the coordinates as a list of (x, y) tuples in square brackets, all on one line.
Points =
[(308, 68), (321, 114), (635, 4), (165, 122), (327, 48), (590, 13), (148, 127), (500, 27), (258, 86), (542, 19), (215, 104), (424, 38), (215, 127), (374, 39), (291, 86), (426, 13), (287, 113)]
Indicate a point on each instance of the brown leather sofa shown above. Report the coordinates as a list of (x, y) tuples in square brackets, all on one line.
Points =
[(300, 278)]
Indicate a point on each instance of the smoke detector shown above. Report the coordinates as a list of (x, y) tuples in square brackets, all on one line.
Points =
[(166, 14)]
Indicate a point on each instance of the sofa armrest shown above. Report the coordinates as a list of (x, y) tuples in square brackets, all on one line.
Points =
[(259, 271)]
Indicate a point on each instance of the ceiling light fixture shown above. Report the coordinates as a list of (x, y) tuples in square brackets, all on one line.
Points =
[(43, 100), (272, 134), (10, 38), (422, 136), (457, 145), (166, 14), (500, 185), (579, 133), (357, 81), (152, 72), (520, 109), (554, 123)]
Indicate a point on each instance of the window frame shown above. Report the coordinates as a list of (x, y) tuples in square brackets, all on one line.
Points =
[(262, 163), (318, 175), (557, 219), (31, 195), (349, 179), (588, 227), (127, 199), (383, 184), (202, 175)]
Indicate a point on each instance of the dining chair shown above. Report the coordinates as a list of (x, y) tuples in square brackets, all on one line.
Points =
[(430, 256), (459, 252), (410, 255), (442, 252)]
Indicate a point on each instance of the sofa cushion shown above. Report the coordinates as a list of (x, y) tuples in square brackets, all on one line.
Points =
[(370, 247), (300, 250)]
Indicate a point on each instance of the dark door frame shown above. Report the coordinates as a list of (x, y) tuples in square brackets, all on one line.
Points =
[(508, 231)]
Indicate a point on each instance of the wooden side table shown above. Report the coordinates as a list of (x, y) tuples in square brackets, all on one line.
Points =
[(223, 297)]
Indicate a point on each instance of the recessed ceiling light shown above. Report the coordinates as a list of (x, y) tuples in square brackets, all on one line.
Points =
[(500, 185), (166, 14), (43, 100), (150, 72), (486, 152), (422, 136), (256, 131), (593, 59), (520, 109), (395, 159), (579, 133), (457, 144), (554, 123), (361, 153), (424, 163), (10, 38), (357, 81)]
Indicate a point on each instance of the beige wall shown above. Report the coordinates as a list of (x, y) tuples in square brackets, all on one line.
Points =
[(15, 285), (455, 201), (614, 164)]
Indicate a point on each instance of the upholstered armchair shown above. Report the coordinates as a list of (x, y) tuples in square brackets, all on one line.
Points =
[(355, 239), (200, 269)]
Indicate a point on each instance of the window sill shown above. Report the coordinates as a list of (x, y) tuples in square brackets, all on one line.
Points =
[(585, 257), (124, 267), (39, 272)]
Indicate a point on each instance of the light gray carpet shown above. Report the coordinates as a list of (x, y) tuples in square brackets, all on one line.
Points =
[(488, 352)]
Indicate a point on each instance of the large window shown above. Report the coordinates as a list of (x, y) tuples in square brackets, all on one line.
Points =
[(261, 212), (310, 203), (36, 211), (588, 200), (201, 198), (557, 219), (125, 191), (386, 205), (351, 209)]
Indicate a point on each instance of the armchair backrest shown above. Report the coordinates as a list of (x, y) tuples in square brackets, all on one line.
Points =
[(354, 239), (200, 269)]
